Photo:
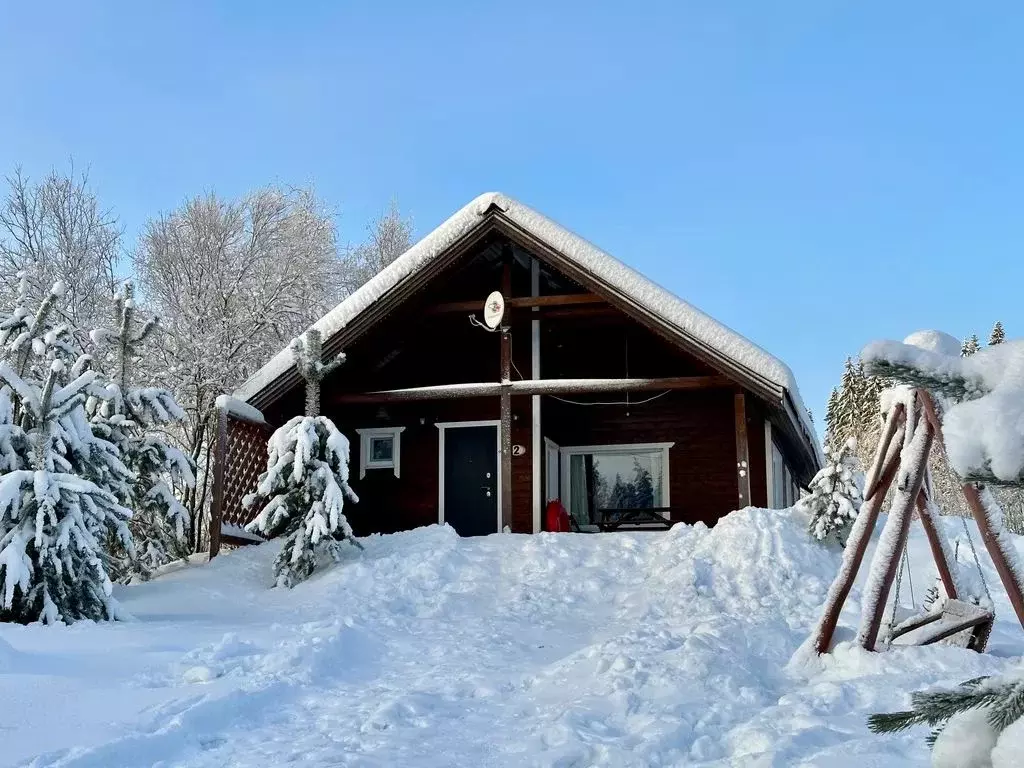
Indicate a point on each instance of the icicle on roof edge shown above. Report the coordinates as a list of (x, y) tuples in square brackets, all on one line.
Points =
[(588, 257)]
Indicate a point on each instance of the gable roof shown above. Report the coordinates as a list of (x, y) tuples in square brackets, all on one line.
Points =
[(727, 350)]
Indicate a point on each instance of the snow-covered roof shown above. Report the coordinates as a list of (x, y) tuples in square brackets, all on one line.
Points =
[(681, 316)]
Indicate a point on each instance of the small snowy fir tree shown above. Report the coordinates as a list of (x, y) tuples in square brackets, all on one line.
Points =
[(835, 495), (998, 335), (134, 420), (60, 482), (971, 345), (306, 483)]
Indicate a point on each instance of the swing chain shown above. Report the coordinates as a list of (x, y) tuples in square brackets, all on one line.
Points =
[(977, 563)]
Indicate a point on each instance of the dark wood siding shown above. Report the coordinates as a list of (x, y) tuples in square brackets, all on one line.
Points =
[(416, 347), (702, 481)]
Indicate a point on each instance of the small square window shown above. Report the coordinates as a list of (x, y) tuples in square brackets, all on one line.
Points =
[(380, 448)]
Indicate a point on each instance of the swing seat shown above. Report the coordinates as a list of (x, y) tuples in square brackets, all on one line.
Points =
[(953, 620)]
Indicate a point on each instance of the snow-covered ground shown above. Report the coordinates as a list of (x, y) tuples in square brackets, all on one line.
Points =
[(430, 650)]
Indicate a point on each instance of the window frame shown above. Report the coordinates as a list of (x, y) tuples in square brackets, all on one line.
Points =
[(366, 437), (564, 452)]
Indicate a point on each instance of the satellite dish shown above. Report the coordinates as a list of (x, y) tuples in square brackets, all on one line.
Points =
[(494, 309)]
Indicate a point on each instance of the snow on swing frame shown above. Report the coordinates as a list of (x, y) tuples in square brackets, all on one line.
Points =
[(911, 430)]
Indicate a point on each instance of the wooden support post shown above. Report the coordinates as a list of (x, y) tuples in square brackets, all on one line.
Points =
[(536, 457), (219, 462), (876, 591), (991, 539), (883, 470), (506, 404), (972, 495), (742, 451), (935, 544)]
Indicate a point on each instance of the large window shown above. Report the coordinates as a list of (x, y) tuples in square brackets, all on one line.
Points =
[(600, 479), (785, 491)]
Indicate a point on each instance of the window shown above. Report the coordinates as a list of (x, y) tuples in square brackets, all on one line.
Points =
[(779, 482), (785, 490), (598, 479), (380, 448), (551, 469)]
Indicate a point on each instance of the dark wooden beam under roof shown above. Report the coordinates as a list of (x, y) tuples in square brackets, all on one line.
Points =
[(536, 387), (522, 302)]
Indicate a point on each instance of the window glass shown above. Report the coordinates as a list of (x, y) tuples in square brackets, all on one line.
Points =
[(779, 482), (614, 479), (382, 449)]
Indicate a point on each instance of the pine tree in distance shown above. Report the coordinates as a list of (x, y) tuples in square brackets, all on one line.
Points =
[(998, 335), (835, 496), (133, 419), (306, 485), (54, 517), (971, 345)]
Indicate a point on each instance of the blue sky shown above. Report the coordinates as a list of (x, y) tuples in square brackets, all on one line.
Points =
[(814, 174)]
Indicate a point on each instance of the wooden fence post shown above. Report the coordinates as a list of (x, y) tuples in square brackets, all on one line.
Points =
[(219, 465)]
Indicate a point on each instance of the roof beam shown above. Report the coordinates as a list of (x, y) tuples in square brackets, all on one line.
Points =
[(524, 302), (535, 387)]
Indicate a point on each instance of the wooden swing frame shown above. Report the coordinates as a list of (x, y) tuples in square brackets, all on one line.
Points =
[(893, 449)]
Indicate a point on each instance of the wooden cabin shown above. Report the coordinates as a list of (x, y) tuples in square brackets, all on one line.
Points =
[(599, 389)]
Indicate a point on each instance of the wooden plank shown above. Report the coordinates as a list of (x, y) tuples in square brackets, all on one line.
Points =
[(742, 450), (884, 468), (1014, 589), (535, 387), (521, 302), (991, 541), (935, 544), (217, 501), (506, 403)]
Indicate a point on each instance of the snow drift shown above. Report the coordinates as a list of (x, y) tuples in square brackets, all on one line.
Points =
[(428, 649)]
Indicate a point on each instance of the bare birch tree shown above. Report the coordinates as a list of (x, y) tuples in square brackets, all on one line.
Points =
[(55, 230), (390, 236), (232, 282)]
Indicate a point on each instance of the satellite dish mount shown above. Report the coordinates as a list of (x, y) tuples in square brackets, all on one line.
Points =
[(494, 313)]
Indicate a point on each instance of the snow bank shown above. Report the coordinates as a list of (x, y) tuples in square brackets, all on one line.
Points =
[(605, 268), (427, 649)]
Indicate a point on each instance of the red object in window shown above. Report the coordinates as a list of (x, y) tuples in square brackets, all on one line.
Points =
[(556, 519)]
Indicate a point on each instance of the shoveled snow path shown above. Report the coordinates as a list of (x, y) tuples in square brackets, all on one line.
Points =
[(427, 649)]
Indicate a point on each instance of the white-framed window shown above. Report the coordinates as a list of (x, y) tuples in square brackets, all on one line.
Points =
[(380, 448), (600, 479), (551, 469), (780, 481), (785, 490)]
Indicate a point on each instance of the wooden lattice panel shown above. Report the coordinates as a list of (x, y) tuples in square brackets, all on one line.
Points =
[(246, 459)]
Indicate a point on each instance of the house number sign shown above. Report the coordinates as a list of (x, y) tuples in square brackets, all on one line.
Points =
[(518, 450)]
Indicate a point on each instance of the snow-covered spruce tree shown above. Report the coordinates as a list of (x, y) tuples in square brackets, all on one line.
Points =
[(135, 419), (56, 504), (998, 335), (971, 345), (835, 495), (306, 483)]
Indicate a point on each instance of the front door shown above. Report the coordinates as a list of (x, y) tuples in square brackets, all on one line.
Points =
[(471, 479)]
